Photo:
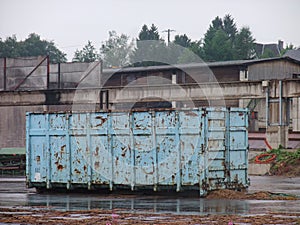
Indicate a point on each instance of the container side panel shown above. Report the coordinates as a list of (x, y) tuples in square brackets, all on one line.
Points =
[(121, 149), (60, 165), (167, 147), (122, 165), (101, 160), (38, 167), (190, 141), (205, 147), (120, 123), (167, 158), (99, 123), (215, 155), (141, 124), (144, 163), (78, 121), (165, 122), (143, 148), (57, 122), (79, 159), (37, 122), (238, 146)]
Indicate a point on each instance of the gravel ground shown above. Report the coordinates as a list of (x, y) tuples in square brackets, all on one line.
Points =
[(21, 216)]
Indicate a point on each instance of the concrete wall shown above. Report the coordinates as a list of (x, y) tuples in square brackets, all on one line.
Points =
[(18, 68), (296, 114), (12, 125), (71, 73)]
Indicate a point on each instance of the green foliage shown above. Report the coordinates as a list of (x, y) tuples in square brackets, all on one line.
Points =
[(267, 54), (244, 44), (182, 40), (87, 54), (287, 162), (149, 34), (10, 47), (218, 48), (229, 27), (116, 51), (223, 41), (150, 49), (286, 156), (288, 47), (32, 46)]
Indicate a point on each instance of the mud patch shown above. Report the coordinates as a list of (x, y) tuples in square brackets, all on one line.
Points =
[(117, 217), (262, 195)]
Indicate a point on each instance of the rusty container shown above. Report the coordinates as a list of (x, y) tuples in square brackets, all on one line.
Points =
[(199, 149)]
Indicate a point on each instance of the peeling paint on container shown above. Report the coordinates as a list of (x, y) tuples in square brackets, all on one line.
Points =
[(194, 149)]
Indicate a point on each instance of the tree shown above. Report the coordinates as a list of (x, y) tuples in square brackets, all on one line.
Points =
[(182, 40), (149, 34), (196, 47), (223, 41), (31, 46), (150, 48), (210, 48), (221, 47), (229, 27), (244, 44), (116, 51), (10, 47), (288, 47), (190, 52), (87, 54)]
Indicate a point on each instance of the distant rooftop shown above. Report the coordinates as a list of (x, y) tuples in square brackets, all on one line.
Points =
[(294, 54), (202, 64)]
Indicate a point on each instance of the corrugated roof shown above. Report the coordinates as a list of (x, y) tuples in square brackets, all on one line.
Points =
[(294, 54), (198, 65)]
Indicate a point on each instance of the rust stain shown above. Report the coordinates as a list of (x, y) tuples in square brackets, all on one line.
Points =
[(84, 168), (77, 171), (97, 151), (38, 158), (97, 165), (173, 179), (62, 148), (103, 120), (59, 166), (188, 113)]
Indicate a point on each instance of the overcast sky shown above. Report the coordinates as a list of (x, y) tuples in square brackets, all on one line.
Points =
[(71, 23)]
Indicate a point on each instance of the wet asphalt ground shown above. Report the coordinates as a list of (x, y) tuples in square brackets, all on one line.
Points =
[(14, 194)]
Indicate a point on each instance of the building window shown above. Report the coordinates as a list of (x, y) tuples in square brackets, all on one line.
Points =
[(296, 75), (243, 75), (174, 78)]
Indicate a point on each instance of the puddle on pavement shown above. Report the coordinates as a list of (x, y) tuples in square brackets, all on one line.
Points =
[(14, 194), (151, 204)]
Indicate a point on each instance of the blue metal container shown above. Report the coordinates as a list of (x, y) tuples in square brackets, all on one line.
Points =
[(203, 149)]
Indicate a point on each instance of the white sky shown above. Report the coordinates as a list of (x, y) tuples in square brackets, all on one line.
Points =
[(71, 23)]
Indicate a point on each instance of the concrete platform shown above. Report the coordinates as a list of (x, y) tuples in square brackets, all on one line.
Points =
[(259, 169)]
